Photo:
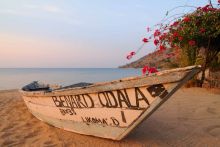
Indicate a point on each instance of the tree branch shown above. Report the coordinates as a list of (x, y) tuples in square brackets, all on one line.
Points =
[(210, 2)]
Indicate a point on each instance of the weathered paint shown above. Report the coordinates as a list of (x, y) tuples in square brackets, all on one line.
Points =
[(108, 113)]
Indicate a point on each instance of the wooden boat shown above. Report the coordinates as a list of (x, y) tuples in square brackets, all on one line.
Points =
[(108, 110)]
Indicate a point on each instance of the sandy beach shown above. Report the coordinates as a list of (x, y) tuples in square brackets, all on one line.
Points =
[(191, 117)]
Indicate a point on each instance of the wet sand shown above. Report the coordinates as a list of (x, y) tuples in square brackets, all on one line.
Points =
[(191, 117)]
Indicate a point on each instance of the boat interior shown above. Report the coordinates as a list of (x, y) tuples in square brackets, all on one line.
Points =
[(39, 86)]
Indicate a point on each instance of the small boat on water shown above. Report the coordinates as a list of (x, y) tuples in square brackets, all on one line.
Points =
[(109, 109)]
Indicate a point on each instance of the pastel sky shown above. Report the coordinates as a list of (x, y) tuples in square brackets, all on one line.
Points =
[(77, 33)]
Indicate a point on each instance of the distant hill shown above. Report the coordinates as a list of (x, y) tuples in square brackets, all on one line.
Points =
[(161, 62), (154, 59)]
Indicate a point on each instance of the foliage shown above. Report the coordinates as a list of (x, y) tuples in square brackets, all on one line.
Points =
[(195, 31), (193, 38)]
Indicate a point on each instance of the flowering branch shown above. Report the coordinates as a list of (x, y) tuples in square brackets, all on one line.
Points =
[(190, 29)]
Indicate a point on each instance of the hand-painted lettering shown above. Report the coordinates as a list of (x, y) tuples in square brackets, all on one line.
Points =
[(140, 96), (157, 90), (111, 99), (67, 111), (115, 121), (95, 120), (123, 98), (123, 116), (88, 101)]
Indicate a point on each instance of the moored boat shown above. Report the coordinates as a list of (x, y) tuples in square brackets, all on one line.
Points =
[(108, 109)]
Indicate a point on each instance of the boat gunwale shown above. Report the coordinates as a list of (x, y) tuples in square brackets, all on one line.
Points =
[(158, 74)]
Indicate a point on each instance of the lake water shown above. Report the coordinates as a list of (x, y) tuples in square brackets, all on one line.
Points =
[(14, 78)]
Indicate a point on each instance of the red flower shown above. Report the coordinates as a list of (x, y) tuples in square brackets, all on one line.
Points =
[(186, 19), (206, 8), (219, 1), (162, 48), (156, 41), (163, 36), (149, 69), (145, 40), (129, 56), (213, 9), (192, 42), (132, 53), (144, 70), (156, 33), (152, 70), (175, 23), (175, 34), (202, 30), (180, 38)]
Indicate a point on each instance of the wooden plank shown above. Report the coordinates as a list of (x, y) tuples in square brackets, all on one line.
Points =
[(168, 76), (109, 110)]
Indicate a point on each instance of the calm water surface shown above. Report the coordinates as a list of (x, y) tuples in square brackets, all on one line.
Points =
[(14, 78)]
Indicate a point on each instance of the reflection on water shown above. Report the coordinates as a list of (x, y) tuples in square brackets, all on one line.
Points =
[(17, 77)]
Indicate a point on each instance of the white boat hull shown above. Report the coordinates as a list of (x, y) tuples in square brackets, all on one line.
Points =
[(108, 110)]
